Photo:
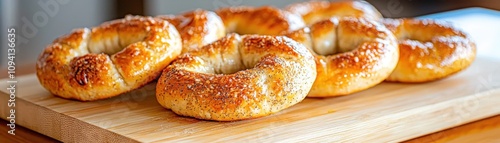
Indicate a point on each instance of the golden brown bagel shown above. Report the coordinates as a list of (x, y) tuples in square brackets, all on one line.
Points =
[(197, 28), (429, 49), (237, 77), (105, 61), (264, 20), (314, 11), (352, 54)]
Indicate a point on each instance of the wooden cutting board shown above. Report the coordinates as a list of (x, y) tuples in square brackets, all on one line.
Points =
[(389, 112)]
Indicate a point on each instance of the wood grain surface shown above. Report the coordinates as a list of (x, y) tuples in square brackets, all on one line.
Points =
[(484, 131), (23, 135), (387, 112)]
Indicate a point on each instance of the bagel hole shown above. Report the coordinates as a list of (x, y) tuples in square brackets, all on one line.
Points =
[(113, 44), (349, 39), (347, 44), (332, 43), (227, 71), (231, 66), (327, 44), (233, 62), (332, 37), (220, 68)]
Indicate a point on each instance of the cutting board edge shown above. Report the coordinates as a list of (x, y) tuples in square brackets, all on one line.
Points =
[(471, 118), (44, 110), (62, 126)]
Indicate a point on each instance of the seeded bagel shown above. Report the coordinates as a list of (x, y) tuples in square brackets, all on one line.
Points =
[(238, 77), (108, 60)]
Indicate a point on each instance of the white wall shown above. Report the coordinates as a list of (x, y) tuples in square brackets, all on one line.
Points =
[(40, 22), (33, 35), (158, 7), (7, 14)]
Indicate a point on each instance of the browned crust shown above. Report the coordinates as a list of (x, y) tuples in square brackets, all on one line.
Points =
[(430, 50), (371, 59), (264, 20), (197, 28), (68, 68), (280, 73), (315, 11)]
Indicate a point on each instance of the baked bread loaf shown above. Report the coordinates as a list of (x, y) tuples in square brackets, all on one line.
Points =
[(197, 28), (108, 60), (315, 11), (238, 77), (264, 20), (352, 54), (429, 49)]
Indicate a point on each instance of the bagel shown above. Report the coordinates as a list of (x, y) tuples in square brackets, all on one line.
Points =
[(315, 11), (108, 60), (264, 20), (197, 28), (430, 49), (237, 77), (352, 54)]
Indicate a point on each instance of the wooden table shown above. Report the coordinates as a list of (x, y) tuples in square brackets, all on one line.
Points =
[(484, 30)]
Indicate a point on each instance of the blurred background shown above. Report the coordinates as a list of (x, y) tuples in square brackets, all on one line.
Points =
[(39, 22)]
